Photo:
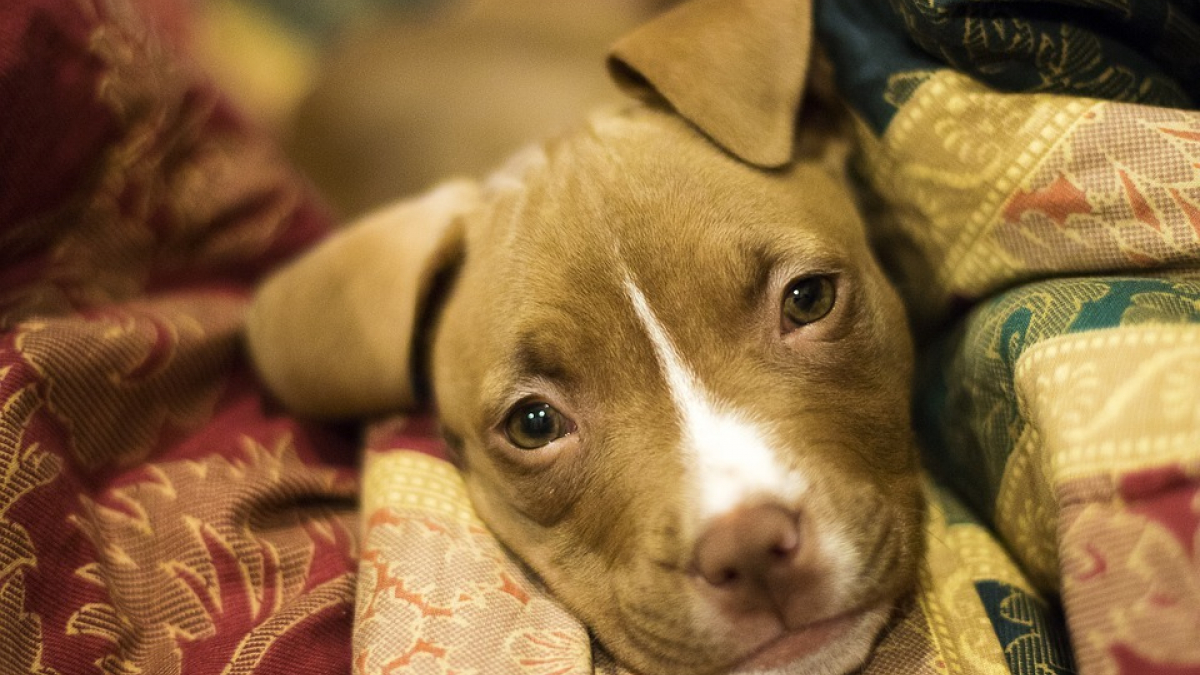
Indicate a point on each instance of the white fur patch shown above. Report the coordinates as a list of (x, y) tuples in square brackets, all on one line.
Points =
[(845, 563), (732, 460)]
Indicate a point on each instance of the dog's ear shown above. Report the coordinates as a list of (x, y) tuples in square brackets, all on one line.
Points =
[(734, 68), (333, 333)]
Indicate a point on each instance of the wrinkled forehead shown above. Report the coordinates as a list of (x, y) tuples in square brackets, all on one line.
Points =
[(643, 192), (647, 203)]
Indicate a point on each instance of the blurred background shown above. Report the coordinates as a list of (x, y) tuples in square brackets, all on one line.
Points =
[(377, 99)]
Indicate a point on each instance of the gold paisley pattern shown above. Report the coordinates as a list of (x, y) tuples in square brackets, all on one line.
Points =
[(24, 467), (438, 594), (1093, 421), (1127, 50), (959, 555), (1079, 397), (1134, 585), (1039, 164), (1027, 511), (175, 352), (192, 552), (982, 189), (1033, 172), (166, 551), (1161, 307), (157, 515), (1100, 415)]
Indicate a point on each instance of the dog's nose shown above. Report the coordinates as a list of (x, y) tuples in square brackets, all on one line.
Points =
[(751, 550)]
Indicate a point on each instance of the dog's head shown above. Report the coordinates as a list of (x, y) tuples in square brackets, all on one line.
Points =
[(676, 383)]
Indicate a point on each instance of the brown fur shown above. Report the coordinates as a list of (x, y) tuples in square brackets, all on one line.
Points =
[(840, 392), (537, 308)]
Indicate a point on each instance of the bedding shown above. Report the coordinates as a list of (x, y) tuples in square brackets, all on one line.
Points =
[(160, 514), (157, 515), (1033, 170)]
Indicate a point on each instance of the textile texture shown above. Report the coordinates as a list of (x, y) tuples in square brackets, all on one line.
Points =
[(437, 593), (160, 514), (156, 515), (1033, 175)]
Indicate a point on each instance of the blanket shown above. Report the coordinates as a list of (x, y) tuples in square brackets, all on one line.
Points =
[(159, 513), (1033, 173)]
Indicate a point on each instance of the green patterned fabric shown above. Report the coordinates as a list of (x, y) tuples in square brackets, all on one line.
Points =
[(877, 63), (1029, 629), (1138, 51), (968, 414), (1008, 151)]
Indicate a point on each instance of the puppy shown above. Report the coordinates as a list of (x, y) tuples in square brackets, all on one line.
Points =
[(675, 380)]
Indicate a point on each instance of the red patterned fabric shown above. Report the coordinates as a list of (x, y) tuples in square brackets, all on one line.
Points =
[(157, 513)]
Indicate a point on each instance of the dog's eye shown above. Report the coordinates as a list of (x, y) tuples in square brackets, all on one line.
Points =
[(808, 299), (533, 425)]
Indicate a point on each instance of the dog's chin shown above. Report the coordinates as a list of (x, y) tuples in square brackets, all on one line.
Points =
[(834, 646)]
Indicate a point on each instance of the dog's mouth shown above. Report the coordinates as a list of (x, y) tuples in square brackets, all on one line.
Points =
[(851, 635)]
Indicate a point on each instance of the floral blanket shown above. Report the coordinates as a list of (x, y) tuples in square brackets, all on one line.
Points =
[(160, 514)]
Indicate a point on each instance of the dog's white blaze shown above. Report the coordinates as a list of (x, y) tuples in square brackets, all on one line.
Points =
[(731, 458)]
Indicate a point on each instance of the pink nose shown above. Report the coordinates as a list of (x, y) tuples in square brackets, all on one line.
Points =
[(753, 551)]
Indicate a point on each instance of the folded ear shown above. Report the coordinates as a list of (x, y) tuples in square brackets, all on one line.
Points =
[(333, 333), (734, 68)]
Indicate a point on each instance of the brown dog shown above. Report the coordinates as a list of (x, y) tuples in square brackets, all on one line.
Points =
[(677, 381)]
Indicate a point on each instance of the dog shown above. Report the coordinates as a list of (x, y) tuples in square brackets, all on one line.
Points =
[(673, 375)]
